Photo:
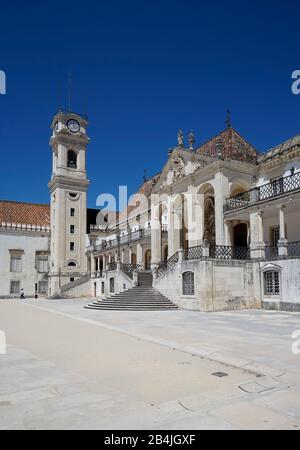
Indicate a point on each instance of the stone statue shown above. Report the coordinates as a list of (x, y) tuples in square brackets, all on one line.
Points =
[(180, 138)]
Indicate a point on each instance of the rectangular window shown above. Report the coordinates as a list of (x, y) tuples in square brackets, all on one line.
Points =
[(72, 212), (72, 246), (15, 287), (275, 235), (16, 263), (271, 283), (72, 229), (188, 280), (42, 265), (43, 287), (102, 287)]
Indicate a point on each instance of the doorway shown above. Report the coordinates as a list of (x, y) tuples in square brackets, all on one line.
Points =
[(133, 259), (240, 235), (148, 260)]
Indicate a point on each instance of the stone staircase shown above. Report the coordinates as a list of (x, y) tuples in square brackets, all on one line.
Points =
[(141, 298)]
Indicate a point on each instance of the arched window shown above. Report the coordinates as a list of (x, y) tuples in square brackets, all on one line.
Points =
[(188, 281), (72, 159), (72, 264), (271, 282)]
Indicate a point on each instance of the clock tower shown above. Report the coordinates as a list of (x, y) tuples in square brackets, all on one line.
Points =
[(68, 190)]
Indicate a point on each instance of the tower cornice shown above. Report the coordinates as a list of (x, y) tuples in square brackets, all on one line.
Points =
[(59, 181)]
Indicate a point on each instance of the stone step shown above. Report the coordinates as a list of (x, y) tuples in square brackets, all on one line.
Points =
[(141, 298), (110, 308)]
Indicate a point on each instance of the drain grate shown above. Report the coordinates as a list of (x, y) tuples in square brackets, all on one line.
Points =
[(220, 374)]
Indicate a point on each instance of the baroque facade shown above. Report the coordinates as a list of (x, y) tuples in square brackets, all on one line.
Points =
[(216, 229)]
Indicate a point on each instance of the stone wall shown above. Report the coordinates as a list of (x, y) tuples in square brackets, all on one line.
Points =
[(122, 283), (29, 244), (219, 285), (289, 296)]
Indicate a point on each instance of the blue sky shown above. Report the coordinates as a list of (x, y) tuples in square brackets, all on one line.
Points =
[(141, 70)]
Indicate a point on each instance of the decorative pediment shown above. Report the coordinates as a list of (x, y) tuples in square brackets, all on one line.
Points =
[(177, 168), (270, 266)]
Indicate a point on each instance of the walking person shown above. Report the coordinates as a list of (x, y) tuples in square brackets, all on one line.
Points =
[(22, 297)]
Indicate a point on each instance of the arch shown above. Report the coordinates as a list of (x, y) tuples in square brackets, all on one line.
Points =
[(239, 187), (188, 283), (72, 159), (72, 263), (206, 188), (133, 259), (148, 259)]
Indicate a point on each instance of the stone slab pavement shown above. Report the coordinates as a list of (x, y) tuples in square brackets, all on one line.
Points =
[(70, 368), (257, 340)]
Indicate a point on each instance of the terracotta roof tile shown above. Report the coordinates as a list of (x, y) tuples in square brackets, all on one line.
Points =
[(234, 147), (24, 213)]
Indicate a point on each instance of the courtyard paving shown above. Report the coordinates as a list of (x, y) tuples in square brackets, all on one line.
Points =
[(71, 368)]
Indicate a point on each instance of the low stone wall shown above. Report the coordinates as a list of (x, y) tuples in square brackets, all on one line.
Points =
[(220, 285), (82, 291), (122, 283)]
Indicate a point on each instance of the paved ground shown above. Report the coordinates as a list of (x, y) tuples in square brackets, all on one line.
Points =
[(67, 367)]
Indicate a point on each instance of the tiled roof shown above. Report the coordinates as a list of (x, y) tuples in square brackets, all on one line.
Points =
[(280, 149), (24, 213), (234, 146)]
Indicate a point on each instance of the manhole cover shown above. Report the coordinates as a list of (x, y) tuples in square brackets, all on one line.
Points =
[(2, 404), (220, 374)]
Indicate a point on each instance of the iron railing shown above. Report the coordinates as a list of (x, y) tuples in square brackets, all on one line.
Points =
[(271, 252), (130, 237), (128, 269), (294, 249), (75, 283), (194, 253), (273, 189), (238, 201), (112, 266), (228, 252), (168, 265)]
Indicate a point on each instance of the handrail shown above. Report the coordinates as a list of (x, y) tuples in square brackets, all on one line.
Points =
[(273, 189), (130, 237)]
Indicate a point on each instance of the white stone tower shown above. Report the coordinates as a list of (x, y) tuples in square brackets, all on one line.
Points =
[(68, 190)]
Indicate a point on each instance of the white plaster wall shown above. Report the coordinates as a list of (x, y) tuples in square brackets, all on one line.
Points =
[(29, 275), (289, 298)]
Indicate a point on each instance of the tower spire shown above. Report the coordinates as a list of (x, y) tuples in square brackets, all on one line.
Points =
[(69, 90)]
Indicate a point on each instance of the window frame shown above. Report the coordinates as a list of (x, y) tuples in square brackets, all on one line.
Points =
[(272, 286), (15, 282), (188, 286)]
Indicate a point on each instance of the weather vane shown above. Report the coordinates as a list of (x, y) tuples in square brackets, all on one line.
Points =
[(145, 176), (228, 120)]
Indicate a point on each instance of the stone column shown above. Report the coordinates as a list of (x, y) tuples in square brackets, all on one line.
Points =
[(257, 245), (155, 243), (221, 187), (129, 255), (282, 243), (227, 228), (93, 269), (205, 249), (199, 218), (139, 256)]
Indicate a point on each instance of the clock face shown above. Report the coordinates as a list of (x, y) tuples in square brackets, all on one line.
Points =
[(73, 126)]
